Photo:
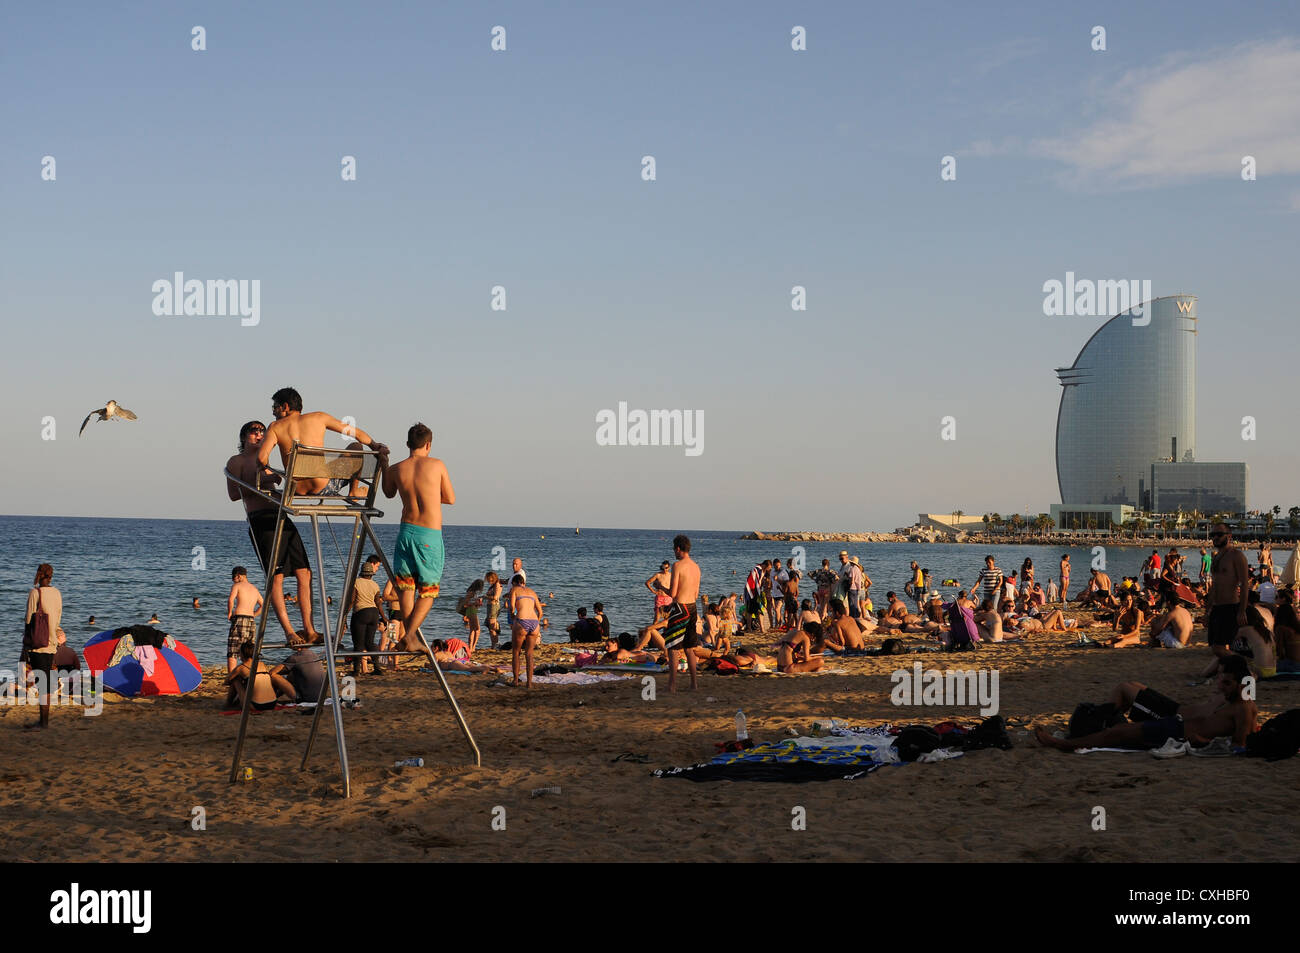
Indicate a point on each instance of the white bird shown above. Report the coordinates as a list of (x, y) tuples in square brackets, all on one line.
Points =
[(109, 411)]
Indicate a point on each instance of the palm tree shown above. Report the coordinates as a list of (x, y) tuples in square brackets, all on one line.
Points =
[(996, 520), (987, 520), (1293, 518), (957, 514)]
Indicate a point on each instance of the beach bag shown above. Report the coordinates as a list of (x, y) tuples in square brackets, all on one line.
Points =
[(1088, 719), (916, 740), (991, 733), (37, 630), (1277, 738)]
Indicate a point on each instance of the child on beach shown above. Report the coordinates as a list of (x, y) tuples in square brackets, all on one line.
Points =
[(468, 605)]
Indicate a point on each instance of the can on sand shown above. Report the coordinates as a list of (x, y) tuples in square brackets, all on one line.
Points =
[(248, 774)]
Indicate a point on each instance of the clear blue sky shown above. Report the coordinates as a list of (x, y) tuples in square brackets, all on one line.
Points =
[(522, 169)]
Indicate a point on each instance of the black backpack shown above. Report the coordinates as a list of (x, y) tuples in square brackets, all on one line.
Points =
[(916, 740), (991, 733), (1277, 738), (1088, 719)]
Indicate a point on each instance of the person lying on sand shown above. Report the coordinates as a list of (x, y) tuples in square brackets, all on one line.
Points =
[(450, 663), (1234, 716), (615, 655)]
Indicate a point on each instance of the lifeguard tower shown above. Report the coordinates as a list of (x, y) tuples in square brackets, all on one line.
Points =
[(356, 474)]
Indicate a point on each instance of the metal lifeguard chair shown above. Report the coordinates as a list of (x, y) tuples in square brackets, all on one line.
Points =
[(359, 473)]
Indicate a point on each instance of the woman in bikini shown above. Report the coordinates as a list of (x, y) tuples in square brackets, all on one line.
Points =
[(1128, 623), (525, 629), (267, 688)]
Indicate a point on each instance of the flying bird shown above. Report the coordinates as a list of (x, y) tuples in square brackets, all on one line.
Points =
[(109, 411)]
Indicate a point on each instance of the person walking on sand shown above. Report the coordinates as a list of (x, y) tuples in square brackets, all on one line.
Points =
[(418, 557), (525, 626), (680, 628), (292, 557), (242, 607)]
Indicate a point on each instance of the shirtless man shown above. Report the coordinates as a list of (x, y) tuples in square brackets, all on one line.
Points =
[(308, 430), (418, 556), (1098, 590), (842, 632), (1172, 628), (1233, 716), (680, 629), (896, 614), (245, 466), (1229, 591), (242, 607)]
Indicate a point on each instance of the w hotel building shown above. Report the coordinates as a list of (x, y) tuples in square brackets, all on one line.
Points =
[(1128, 403)]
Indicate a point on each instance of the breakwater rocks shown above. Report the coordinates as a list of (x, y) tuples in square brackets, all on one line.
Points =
[(828, 537)]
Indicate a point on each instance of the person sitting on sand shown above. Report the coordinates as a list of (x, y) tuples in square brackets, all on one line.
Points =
[(1128, 624), (989, 621), (1172, 628), (269, 688), (932, 618), (841, 632), (896, 613), (1097, 592), (795, 655), (1286, 632), (583, 629), (1235, 716)]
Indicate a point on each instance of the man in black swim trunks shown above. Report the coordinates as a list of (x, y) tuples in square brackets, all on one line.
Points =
[(681, 623), (1229, 592), (1233, 716), (261, 530)]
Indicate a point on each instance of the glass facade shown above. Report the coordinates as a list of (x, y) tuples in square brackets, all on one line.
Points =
[(1128, 401), (1207, 487)]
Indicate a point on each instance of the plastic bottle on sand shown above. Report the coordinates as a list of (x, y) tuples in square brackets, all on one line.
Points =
[(741, 731)]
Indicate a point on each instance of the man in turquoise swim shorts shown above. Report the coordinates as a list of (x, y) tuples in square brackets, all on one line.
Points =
[(424, 485)]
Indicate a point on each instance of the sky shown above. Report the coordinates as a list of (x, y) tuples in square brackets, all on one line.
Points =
[(522, 169)]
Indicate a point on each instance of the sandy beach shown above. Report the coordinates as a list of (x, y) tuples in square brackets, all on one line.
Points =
[(123, 785)]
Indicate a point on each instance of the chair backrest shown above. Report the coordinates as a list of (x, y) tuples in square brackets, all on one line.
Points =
[(315, 463)]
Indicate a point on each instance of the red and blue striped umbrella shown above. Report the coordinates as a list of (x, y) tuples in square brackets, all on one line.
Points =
[(175, 669)]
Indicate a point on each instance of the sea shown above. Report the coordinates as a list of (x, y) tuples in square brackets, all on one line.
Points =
[(123, 570)]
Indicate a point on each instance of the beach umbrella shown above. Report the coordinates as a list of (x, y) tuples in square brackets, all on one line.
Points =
[(1291, 572), (131, 670)]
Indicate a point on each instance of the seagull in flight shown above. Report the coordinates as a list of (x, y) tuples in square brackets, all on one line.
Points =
[(109, 411)]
